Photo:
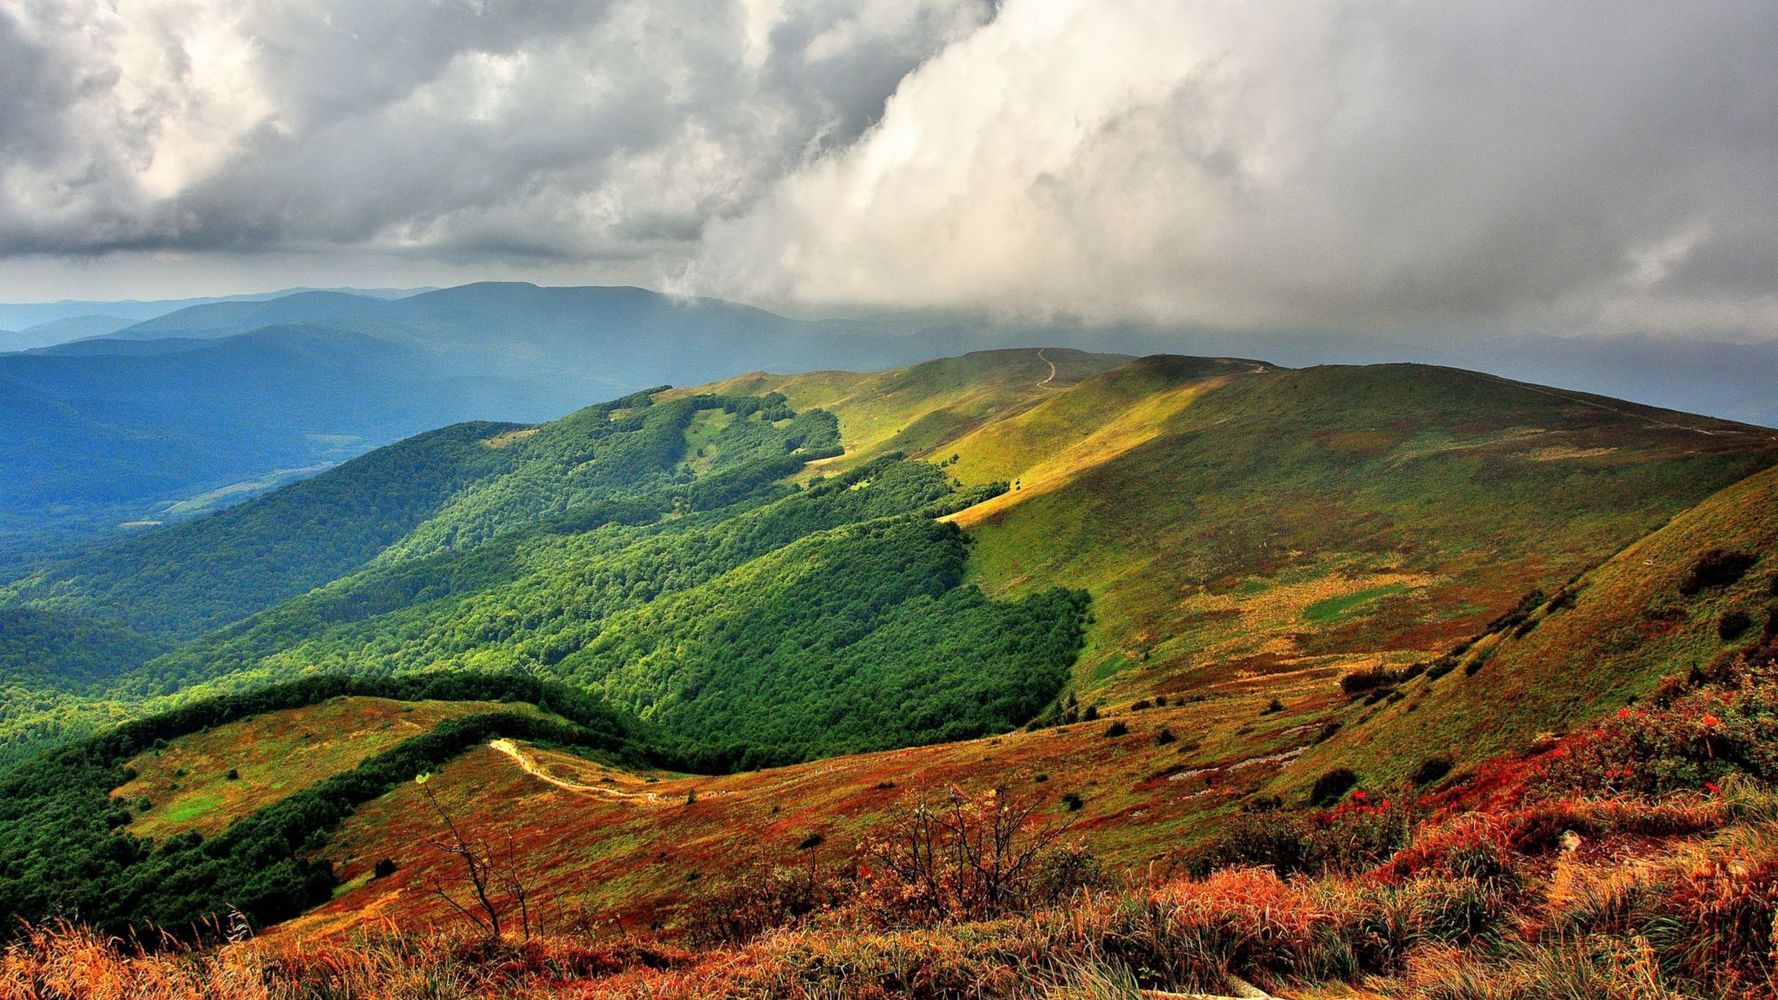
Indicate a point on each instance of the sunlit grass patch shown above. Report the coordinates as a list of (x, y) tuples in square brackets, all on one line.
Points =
[(187, 784), (1333, 608)]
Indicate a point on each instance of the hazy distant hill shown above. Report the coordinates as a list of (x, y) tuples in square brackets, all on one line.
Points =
[(26, 315), (119, 427), (100, 434), (585, 340)]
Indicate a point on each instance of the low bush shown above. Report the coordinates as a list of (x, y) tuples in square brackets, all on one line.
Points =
[(1332, 784), (1716, 568), (1432, 769), (963, 858), (1733, 625), (743, 907)]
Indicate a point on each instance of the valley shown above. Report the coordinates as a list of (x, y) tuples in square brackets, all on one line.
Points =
[(690, 637)]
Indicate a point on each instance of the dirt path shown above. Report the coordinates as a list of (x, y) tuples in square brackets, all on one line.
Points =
[(1243, 990), (530, 767), (1045, 384)]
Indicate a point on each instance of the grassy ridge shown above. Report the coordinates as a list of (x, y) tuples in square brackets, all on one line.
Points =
[(1602, 641), (205, 780), (1441, 494), (921, 409)]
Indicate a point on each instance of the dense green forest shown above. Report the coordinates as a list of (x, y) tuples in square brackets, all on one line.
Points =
[(50, 659), (63, 852), (653, 551), (850, 639)]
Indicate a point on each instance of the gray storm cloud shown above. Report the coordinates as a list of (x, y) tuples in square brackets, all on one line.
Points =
[(1338, 164), (558, 128), (1343, 164)]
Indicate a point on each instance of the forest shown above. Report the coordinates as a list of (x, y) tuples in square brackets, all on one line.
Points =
[(670, 554)]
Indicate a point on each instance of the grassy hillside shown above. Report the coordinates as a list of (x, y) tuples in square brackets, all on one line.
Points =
[(920, 409), (62, 847), (1596, 644), (1284, 520), (639, 845), (204, 781), (1235, 519)]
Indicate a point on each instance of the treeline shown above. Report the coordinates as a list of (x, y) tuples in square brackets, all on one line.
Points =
[(54, 670), (857, 638), (63, 851), (653, 552), (63, 650), (528, 601)]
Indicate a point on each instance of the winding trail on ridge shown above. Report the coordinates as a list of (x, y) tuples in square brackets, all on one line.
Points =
[(530, 767), (1045, 384)]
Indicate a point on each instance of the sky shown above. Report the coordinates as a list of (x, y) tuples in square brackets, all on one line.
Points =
[(1450, 170)]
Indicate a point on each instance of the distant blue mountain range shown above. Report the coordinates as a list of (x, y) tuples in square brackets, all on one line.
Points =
[(122, 410)]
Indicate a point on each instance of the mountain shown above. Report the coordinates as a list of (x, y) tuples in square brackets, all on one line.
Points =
[(576, 340), (511, 351), (686, 633), (61, 331), (217, 396), (108, 436), (47, 316)]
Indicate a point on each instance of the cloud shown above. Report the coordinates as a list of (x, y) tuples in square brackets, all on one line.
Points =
[(1565, 165), (554, 128), (1338, 165)]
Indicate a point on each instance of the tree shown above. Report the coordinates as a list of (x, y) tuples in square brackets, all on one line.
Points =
[(968, 858), (491, 881)]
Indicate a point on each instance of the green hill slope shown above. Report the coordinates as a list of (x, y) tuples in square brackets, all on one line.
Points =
[(69, 830), (920, 409), (1601, 642), (1279, 520), (50, 658), (650, 551)]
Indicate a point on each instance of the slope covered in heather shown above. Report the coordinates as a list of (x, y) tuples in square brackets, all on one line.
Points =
[(1673, 602)]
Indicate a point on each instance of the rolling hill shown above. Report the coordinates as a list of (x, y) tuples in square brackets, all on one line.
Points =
[(757, 620), (1235, 518), (202, 405), (1600, 642)]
